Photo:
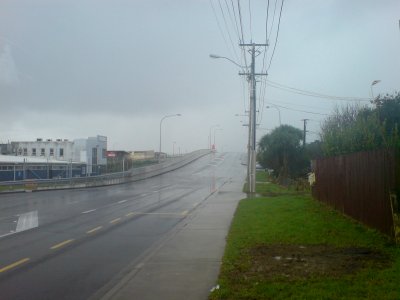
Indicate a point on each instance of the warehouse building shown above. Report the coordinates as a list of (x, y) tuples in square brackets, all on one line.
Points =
[(14, 168), (90, 152)]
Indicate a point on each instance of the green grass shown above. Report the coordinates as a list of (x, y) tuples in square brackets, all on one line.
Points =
[(291, 218)]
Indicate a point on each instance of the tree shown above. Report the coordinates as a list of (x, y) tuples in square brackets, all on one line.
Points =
[(354, 128), (281, 151)]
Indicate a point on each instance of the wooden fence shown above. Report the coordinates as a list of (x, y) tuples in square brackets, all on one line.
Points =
[(361, 185)]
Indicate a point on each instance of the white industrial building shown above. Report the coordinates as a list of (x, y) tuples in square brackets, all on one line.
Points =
[(90, 151)]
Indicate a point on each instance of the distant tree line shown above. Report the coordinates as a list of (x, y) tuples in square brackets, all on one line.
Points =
[(354, 128), (348, 129)]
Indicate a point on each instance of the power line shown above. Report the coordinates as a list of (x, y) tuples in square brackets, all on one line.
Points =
[(251, 31), (227, 29), (220, 29), (277, 34), (233, 21), (296, 104), (273, 19), (300, 110), (312, 94)]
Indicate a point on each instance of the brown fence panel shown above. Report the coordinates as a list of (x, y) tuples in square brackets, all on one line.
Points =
[(359, 185)]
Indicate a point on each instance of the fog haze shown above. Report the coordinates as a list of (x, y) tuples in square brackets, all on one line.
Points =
[(71, 69)]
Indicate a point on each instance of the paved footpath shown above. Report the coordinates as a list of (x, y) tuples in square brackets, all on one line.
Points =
[(185, 264)]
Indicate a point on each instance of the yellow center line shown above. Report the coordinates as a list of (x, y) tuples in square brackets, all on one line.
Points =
[(61, 244), (130, 214), (94, 229), (115, 220), (13, 265)]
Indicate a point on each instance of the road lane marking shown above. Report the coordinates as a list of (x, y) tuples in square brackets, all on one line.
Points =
[(185, 212), (94, 229), (27, 221), (195, 204), (115, 220), (10, 233), (122, 201), (61, 244), (158, 214), (129, 214), (13, 265), (89, 211), (143, 195)]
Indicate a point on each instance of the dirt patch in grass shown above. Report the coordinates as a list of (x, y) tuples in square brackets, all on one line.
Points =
[(293, 262)]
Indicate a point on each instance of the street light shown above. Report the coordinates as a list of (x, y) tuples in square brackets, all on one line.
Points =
[(214, 56), (279, 111), (209, 136), (372, 92), (162, 119), (215, 129)]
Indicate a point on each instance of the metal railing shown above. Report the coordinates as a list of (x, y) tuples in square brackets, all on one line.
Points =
[(133, 174)]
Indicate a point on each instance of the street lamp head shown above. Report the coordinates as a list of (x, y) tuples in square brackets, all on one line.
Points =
[(214, 56), (375, 82), (178, 115)]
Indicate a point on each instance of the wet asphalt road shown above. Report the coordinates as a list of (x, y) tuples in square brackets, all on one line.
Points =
[(69, 244)]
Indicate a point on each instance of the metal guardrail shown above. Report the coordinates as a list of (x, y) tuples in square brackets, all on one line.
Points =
[(134, 174)]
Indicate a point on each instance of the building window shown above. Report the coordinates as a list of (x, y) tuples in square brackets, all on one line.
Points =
[(94, 156), (25, 151), (51, 151), (61, 152), (42, 152), (104, 153), (33, 151), (19, 151)]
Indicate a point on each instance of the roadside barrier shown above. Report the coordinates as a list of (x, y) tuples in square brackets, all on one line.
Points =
[(133, 174)]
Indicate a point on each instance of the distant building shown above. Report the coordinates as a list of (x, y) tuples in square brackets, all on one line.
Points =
[(49, 149), (143, 155), (13, 168), (91, 151), (117, 154), (5, 149)]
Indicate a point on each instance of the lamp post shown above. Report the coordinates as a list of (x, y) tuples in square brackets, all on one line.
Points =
[(209, 136), (173, 148), (215, 129), (251, 163), (372, 91), (161, 121), (279, 111), (214, 56)]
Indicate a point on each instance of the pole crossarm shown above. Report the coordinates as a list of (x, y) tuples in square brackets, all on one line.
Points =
[(255, 74), (253, 44)]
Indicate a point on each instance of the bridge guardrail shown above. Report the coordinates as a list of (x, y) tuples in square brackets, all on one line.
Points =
[(134, 174)]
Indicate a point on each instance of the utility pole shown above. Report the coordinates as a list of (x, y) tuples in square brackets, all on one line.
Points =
[(251, 76), (304, 131)]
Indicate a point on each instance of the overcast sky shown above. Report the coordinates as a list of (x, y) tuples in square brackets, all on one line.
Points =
[(72, 69)]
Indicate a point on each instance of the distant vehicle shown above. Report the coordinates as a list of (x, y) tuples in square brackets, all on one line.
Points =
[(259, 167)]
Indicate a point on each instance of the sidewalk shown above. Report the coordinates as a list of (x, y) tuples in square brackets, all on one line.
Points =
[(186, 264)]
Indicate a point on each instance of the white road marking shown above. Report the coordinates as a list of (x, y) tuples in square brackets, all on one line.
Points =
[(122, 201), (10, 233), (27, 221), (88, 211)]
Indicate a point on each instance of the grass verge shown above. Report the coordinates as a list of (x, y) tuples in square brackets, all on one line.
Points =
[(289, 246)]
